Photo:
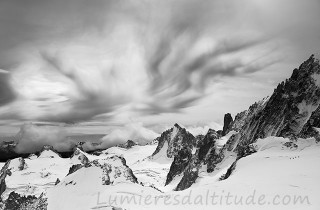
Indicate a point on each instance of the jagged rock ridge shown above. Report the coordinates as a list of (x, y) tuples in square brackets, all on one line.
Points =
[(291, 111), (289, 108), (177, 138)]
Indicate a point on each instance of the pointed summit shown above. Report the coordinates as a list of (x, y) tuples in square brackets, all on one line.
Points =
[(177, 126), (228, 120), (173, 139), (288, 109)]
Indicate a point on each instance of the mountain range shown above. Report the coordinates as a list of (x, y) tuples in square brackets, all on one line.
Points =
[(272, 144)]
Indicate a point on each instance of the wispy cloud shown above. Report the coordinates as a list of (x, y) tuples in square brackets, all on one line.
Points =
[(73, 60)]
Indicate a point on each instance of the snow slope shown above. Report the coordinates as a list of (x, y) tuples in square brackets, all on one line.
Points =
[(272, 178), (38, 175)]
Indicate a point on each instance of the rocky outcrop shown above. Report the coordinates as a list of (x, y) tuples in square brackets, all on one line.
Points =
[(80, 157), (308, 129), (198, 139), (79, 145), (74, 168), (190, 175), (179, 164), (229, 171), (245, 116), (177, 138), (3, 174), (179, 145), (128, 144), (18, 202), (188, 164), (113, 169), (289, 109), (58, 180), (207, 144), (227, 122)]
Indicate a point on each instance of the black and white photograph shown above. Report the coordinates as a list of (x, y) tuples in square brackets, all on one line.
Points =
[(159, 104)]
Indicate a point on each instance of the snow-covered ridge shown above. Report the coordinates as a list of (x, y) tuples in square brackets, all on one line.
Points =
[(109, 174)]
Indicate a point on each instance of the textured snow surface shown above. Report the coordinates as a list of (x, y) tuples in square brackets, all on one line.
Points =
[(38, 175), (278, 168), (275, 170)]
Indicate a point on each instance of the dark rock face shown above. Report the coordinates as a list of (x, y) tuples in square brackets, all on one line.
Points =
[(180, 162), (123, 170), (227, 122), (22, 164), (190, 175), (128, 144), (247, 150), (74, 168), (229, 171), (291, 111), (3, 173), (80, 156), (199, 138), (58, 180), (314, 121), (290, 145), (207, 144), (212, 159), (18, 202), (288, 109), (245, 116), (177, 138), (189, 164)]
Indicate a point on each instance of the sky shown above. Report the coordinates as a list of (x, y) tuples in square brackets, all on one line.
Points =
[(100, 65)]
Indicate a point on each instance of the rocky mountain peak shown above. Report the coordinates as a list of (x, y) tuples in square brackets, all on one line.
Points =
[(293, 108), (174, 139), (212, 133), (227, 123), (176, 125), (288, 109)]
